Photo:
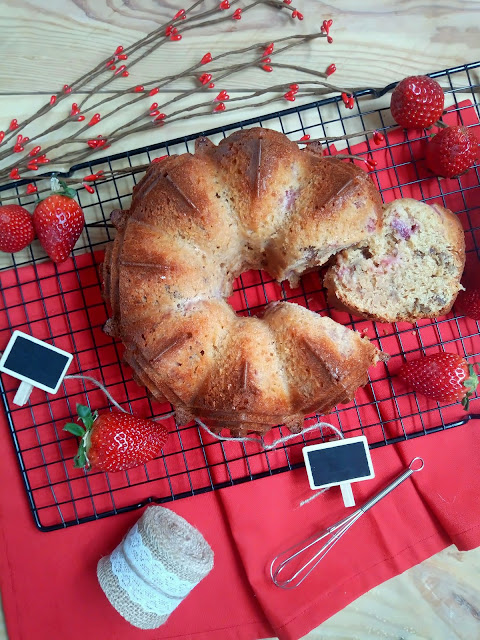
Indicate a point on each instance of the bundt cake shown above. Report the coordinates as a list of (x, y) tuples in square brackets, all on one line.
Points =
[(196, 222), (410, 269)]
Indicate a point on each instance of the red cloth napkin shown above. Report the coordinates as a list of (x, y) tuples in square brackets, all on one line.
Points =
[(48, 580)]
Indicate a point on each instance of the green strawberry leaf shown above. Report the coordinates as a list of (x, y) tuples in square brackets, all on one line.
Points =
[(85, 415), (80, 460), (75, 429), (471, 383), (66, 190)]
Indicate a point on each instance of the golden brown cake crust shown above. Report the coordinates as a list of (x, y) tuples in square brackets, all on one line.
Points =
[(195, 223)]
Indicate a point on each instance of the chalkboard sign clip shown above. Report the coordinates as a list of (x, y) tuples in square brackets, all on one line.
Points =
[(339, 462), (34, 362)]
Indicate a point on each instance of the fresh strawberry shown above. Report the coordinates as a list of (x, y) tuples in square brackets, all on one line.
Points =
[(16, 228), (446, 377), (115, 441), (58, 221), (451, 152), (417, 102), (468, 303)]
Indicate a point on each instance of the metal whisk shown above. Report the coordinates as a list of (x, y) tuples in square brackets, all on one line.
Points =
[(332, 536)]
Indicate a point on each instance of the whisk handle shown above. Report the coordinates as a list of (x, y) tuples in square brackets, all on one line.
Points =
[(412, 468)]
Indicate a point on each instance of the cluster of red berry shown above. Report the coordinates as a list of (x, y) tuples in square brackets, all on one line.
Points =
[(57, 221), (418, 102)]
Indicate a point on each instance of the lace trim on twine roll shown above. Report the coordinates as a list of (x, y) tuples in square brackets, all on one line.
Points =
[(152, 570), (260, 441), (139, 591)]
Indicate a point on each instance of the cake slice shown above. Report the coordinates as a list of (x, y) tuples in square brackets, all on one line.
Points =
[(411, 269)]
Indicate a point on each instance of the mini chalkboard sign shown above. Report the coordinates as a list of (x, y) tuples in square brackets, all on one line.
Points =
[(339, 462), (35, 363)]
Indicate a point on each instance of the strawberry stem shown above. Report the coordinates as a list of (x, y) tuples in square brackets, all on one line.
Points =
[(471, 383)]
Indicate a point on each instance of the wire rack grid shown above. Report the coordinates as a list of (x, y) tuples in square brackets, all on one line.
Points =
[(63, 304)]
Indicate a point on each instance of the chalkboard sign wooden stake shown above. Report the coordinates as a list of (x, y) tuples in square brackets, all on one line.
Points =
[(347, 494), (34, 362), (23, 394), (339, 462)]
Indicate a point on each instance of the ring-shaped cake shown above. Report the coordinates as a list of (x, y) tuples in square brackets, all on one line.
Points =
[(199, 220)]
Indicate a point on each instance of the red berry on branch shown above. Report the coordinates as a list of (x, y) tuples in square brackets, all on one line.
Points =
[(205, 78), (31, 188), (160, 117), (224, 5), (89, 188), (378, 137), (95, 119), (220, 107), (156, 112), (139, 88), (123, 56), (14, 175), (223, 95), (152, 92), (206, 58), (237, 14), (67, 89), (331, 69), (269, 49), (80, 118), (120, 69), (13, 125), (326, 26), (287, 1), (290, 96), (211, 85), (159, 159), (2, 136), (305, 137), (125, 74), (267, 67), (176, 37), (294, 87), (180, 14), (53, 99), (75, 110), (118, 50)]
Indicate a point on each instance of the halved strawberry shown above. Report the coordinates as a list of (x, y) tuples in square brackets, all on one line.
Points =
[(115, 441)]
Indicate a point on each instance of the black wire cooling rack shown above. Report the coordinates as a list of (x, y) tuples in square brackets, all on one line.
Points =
[(63, 304)]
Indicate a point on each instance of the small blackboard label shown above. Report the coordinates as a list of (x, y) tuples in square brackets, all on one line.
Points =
[(36, 362), (337, 462)]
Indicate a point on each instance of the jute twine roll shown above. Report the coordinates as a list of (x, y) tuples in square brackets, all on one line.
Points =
[(160, 560)]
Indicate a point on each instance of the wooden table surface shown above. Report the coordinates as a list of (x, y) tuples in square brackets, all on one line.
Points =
[(44, 45)]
